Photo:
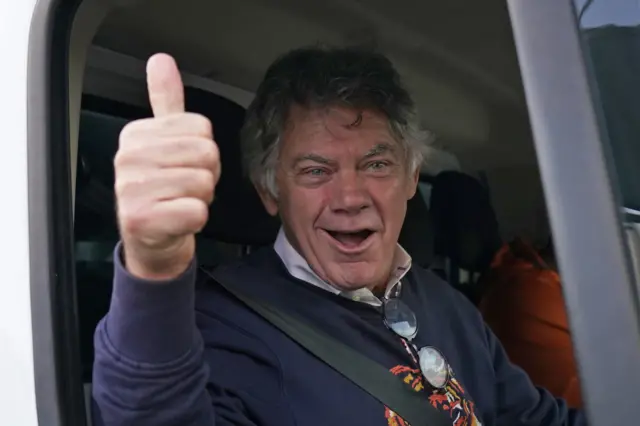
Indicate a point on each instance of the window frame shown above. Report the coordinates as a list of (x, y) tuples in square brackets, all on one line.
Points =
[(59, 392), (583, 204)]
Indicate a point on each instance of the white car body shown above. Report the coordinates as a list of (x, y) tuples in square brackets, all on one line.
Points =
[(17, 383)]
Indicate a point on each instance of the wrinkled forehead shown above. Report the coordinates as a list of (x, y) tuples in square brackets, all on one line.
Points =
[(320, 127)]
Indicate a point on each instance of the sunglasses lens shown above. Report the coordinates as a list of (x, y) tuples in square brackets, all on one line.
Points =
[(434, 367), (400, 318)]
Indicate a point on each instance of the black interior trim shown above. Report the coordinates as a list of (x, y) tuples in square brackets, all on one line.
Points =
[(114, 108), (59, 392)]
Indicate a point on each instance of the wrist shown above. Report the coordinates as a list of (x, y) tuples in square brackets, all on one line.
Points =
[(162, 269)]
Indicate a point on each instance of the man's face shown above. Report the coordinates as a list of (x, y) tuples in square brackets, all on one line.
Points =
[(343, 187)]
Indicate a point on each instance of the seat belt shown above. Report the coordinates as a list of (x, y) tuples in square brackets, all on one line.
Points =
[(370, 376)]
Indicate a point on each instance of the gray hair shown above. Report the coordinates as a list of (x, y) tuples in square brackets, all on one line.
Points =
[(320, 77)]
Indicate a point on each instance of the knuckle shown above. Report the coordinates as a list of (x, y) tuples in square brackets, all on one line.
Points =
[(131, 131), (200, 124), (121, 187), (185, 144), (201, 216), (210, 154), (204, 181), (137, 133), (123, 192), (132, 158), (132, 221), (121, 159), (128, 183)]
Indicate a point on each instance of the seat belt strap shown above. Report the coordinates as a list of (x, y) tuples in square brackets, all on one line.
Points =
[(367, 374)]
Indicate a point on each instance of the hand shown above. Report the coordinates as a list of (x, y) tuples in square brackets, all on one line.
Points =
[(166, 170)]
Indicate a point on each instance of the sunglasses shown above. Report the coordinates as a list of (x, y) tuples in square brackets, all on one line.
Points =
[(401, 319)]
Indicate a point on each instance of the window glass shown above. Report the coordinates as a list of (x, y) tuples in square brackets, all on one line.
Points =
[(611, 35)]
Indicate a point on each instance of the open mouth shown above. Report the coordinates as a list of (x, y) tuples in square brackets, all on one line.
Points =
[(351, 239)]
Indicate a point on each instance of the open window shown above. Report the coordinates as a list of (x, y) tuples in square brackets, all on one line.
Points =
[(460, 62)]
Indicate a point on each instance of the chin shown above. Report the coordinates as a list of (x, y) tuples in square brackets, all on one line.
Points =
[(353, 276)]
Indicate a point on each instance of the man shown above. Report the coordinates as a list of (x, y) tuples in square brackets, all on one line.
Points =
[(334, 147)]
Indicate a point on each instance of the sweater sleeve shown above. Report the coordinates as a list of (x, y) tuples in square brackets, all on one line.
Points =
[(149, 364), (519, 402)]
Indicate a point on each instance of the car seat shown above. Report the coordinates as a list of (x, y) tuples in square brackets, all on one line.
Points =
[(466, 229)]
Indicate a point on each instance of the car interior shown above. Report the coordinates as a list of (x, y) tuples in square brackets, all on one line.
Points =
[(457, 58)]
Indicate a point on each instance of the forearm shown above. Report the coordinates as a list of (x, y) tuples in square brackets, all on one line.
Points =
[(149, 365)]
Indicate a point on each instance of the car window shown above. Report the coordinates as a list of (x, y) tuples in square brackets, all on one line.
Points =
[(610, 31), (611, 36)]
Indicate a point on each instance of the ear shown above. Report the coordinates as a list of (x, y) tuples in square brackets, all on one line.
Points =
[(268, 200), (412, 183)]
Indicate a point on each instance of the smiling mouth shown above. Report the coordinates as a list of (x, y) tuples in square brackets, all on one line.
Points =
[(351, 240)]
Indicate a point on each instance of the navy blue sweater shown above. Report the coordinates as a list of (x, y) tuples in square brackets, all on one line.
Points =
[(161, 362)]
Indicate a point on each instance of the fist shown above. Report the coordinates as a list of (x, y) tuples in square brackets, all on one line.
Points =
[(166, 170)]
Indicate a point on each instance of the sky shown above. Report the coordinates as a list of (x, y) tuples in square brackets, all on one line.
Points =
[(607, 12)]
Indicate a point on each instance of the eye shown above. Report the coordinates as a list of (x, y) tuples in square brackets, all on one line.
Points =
[(315, 172), (377, 165)]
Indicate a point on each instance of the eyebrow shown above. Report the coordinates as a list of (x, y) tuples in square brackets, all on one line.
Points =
[(379, 149), (313, 157)]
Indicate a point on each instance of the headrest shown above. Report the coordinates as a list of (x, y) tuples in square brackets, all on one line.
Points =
[(416, 235), (236, 216), (466, 227)]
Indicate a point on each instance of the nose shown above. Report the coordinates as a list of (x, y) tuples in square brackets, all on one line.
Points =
[(350, 194)]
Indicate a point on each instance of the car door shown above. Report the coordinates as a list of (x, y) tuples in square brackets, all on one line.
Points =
[(17, 379), (56, 30), (579, 138)]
